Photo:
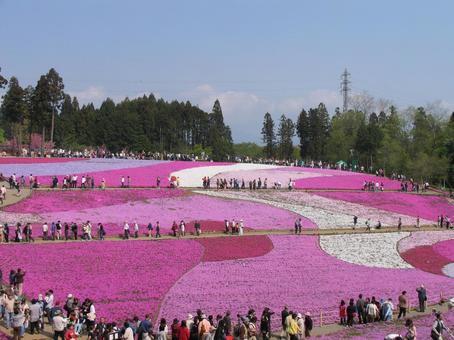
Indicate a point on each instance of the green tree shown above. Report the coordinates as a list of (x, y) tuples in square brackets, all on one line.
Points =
[(220, 136), (285, 134), (268, 136), (3, 81), (303, 132), (14, 111)]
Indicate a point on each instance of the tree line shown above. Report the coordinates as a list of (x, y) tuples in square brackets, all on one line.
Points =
[(144, 124), (414, 141)]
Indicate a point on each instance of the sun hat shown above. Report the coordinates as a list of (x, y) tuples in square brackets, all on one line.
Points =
[(190, 316), (70, 296), (307, 314), (299, 316)]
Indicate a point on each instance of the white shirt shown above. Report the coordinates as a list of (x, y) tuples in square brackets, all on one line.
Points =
[(129, 335), (50, 301), (45, 227), (126, 226)]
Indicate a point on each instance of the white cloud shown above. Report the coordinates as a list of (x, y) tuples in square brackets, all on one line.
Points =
[(244, 111), (91, 94)]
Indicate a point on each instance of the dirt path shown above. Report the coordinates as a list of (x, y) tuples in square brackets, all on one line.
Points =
[(12, 197)]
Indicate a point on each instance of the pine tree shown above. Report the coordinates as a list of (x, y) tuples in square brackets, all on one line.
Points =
[(285, 134), (14, 110), (268, 136), (302, 129), (220, 136)]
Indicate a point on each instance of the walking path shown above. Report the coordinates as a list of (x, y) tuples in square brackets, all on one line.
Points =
[(310, 232), (11, 195)]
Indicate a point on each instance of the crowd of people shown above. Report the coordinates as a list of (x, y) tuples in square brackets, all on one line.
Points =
[(68, 231), (241, 184)]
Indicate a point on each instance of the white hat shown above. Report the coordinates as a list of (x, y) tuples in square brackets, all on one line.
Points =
[(299, 316), (190, 317), (70, 296)]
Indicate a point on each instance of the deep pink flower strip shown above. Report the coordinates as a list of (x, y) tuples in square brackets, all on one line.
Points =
[(237, 247), (426, 258), (445, 248), (140, 176), (427, 207), (123, 278)]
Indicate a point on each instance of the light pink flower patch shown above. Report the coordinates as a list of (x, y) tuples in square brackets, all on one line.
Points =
[(50, 201), (424, 206), (27, 160), (184, 207), (296, 273), (343, 180)]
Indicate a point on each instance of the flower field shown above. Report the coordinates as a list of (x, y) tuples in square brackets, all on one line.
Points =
[(326, 213), (114, 207), (170, 278)]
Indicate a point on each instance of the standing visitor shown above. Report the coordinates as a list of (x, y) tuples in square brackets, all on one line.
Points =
[(422, 298), (417, 222), (122, 181), (158, 182), (18, 320), (355, 221), (19, 280), (308, 324), (128, 334), (162, 330), (126, 231), (265, 324), (150, 230), (58, 325), (361, 309), (343, 313), (368, 224), (136, 230), (183, 332), (399, 224), (403, 304), (158, 234), (351, 311)]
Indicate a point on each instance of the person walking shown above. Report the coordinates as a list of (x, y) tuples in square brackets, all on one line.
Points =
[(438, 327)]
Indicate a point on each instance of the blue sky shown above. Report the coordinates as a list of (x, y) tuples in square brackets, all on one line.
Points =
[(255, 56)]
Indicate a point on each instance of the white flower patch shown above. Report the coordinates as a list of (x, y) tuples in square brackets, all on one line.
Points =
[(192, 177), (372, 250), (325, 212), (427, 238), (13, 218)]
